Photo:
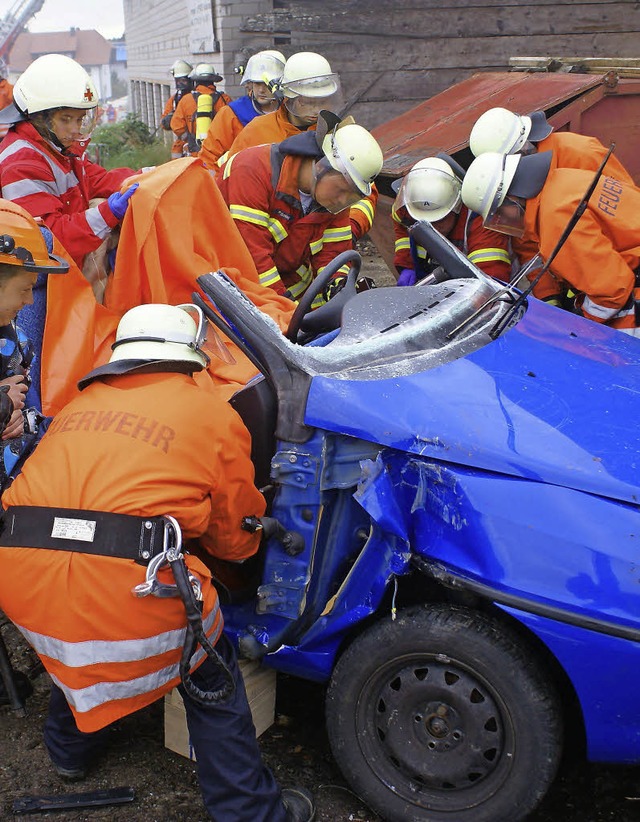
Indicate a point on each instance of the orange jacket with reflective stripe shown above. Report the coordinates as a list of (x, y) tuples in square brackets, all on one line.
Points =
[(487, 249), (223, 130), (569, 150), (176, 148), (602, 252), (289, 247), (145, 445)]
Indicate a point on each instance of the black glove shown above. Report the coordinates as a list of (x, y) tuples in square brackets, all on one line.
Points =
[(166, 121), (334, 287)]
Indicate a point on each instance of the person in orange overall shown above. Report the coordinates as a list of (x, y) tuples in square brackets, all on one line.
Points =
[(430, 191), (184, 122), (599, 260), (155, 459), (262, 72), (307, 87), (505, 132), (180, 71), (291, 201)]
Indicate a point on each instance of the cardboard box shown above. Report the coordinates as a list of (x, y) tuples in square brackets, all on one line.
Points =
[(260, 684)]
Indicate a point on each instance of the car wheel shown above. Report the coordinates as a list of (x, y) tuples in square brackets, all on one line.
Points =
[(444, 714)]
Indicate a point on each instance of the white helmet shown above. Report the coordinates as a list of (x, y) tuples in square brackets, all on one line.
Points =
[(54, 81), (205, 73), (487, 182), (307, 74), (161, 332), (181, 68), (264, 67), (502, 131), (430, 190), (355, 153)]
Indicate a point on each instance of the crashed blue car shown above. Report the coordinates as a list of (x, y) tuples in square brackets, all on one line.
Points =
[(455, 474)]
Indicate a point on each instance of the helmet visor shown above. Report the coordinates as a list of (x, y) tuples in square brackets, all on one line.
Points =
[(207, 340), (71, 124), (325, 85), (428, 194), (508, 218)]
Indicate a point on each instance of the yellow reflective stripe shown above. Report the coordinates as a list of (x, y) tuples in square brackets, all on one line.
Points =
[(421, 252), (222, 160), (278, 231), (318, 300), (337, 235), (394, 215), (487, 255), (227, 168), (270, 277), (316, 246), (344, 270), (305, 274), (249, 215), (366, 208), (403, 244)]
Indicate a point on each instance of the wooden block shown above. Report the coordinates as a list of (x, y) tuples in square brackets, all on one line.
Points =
[(260, 685)]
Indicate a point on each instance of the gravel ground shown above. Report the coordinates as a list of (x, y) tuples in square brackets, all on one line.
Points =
[(295, 747)]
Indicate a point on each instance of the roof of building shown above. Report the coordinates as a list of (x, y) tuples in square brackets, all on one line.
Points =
[(89, 48)]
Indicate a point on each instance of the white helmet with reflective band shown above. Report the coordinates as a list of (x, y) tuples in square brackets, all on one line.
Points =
[(54, 81), (355, 153), (264, 67), (307, 74), (161, 332), (181, 68), (487, 182), (430, 190), (504, 132)]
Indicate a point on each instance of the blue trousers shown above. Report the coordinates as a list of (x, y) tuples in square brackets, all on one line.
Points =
[(235, 783)]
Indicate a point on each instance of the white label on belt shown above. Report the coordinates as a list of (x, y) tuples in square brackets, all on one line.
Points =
[(67, 528)]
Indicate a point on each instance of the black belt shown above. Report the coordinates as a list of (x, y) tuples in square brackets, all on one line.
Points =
[(87, 532)]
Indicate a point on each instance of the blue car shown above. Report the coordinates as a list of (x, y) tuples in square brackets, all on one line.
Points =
[(454, 474)]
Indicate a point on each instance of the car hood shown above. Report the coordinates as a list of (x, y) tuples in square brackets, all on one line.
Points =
[(556, 399)]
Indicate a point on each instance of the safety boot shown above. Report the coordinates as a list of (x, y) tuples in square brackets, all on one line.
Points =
[(299, 804)]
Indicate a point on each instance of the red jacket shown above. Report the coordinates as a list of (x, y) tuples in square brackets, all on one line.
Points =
[(145, 445), (487, 249), (58, 188), (289, 247)]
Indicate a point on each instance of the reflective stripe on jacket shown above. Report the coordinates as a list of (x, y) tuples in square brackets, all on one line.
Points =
[(136, 444)]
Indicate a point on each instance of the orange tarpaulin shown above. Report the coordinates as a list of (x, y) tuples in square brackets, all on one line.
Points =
[(177, 227)]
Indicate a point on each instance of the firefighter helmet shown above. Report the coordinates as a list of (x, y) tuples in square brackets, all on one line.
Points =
[(181, 68), (355, 153), (504, 132), (307, 74), (205, 73), (430, 190), (54, 81), (22, 243), (264, 67), (161, 332)]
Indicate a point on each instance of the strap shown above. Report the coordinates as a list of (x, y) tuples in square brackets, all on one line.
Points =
[(100, 533)]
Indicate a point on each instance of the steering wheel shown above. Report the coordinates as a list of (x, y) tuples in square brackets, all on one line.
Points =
[(329, 314)]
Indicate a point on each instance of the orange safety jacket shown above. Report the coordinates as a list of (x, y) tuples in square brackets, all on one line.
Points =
[(487, 249), (600, 258), (184, 117), (569, 150), (276, 127), (144, 445), (178, 145), (158, 260), (289, 247)]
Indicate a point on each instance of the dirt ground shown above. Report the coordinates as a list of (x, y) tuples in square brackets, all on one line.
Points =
[(295, 747)]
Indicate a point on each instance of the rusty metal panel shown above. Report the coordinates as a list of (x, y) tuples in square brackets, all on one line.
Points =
[(444, 122)]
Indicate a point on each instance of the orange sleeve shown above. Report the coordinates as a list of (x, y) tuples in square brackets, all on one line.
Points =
[(362, 213), (223, 130)]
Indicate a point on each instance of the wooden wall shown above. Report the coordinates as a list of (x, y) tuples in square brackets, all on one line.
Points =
[(393, 54)]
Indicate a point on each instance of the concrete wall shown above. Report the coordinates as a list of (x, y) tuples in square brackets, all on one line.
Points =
[(391, 54)]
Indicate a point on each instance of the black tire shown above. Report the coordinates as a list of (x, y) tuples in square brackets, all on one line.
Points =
[(444, 714)]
